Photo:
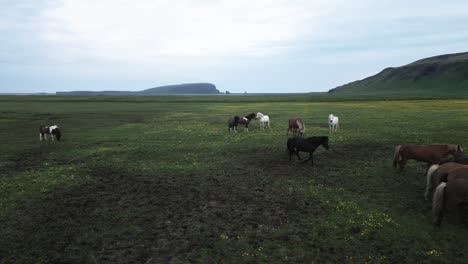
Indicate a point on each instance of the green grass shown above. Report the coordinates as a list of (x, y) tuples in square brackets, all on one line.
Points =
[(160, 179)]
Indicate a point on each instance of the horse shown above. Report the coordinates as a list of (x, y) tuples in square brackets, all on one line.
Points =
[(443, 172), (264, 120), (333, 123), (310, 144), (53, 131), (455, 159), (432, 154), (236, 120), (246, 120), (232, 123), (296, 126), (451, 198)]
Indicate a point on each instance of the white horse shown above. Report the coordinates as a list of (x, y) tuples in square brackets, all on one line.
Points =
[(333, 123), (264, 120)]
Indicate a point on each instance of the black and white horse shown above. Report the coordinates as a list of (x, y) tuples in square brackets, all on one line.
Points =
[(232, 123), (53, 131)]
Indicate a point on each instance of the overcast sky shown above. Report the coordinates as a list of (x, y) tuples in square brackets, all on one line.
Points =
[(238, 45)]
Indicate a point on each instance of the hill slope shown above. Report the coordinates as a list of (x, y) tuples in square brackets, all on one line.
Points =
[(189, 88), (437, 75)]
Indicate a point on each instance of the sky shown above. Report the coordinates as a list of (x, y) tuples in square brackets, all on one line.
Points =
[(258, 46)]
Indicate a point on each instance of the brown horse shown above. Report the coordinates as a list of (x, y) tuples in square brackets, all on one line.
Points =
[(296, 127), (246, 120), (432, 154), (443, 173), (451, 198)]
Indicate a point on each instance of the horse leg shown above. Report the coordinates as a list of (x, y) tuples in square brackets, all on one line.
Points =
[(40, 137), (310, 158), (290, 155), (402, 164), (298, 156), (45, 136)]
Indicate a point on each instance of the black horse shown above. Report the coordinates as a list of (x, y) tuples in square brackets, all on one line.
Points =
[(310, 144)]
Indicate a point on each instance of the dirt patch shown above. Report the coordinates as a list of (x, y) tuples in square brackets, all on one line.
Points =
[(122, 218)]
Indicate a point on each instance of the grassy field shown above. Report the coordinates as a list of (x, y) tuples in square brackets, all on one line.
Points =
[(160, 180)]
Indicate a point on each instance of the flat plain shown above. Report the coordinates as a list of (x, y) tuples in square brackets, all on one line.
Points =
[(161, 180)]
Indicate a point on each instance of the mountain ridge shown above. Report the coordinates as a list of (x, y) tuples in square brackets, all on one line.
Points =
[(186, 88)]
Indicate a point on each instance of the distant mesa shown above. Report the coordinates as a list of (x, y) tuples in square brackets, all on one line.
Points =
[(179, 89), (435, 75)]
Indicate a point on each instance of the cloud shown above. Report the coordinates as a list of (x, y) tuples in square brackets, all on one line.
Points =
[(235, 43), (148, 29)]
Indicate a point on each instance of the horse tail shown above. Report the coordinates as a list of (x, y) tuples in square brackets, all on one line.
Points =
[(438, 203), (396, 156), (429, 176)]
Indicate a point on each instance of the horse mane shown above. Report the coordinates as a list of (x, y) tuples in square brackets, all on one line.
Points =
[(251, 116), (300, 125)]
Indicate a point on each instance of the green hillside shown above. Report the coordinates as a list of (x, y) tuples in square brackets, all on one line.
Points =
[(435, 75)]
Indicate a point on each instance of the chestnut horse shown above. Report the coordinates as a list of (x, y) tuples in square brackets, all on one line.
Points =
[(296, 127), (443, 173), (432, 154), (451, 198)]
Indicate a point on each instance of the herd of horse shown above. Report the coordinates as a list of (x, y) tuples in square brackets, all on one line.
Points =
[(446, 178), (446, 171), (295, 126)]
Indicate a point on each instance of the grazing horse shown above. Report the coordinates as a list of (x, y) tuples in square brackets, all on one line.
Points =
[(451, 198), (333, 123), (432, 154), (52, 130), (443, 173), (232, 123), (264, 120), (310, 144), (296, 126)]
